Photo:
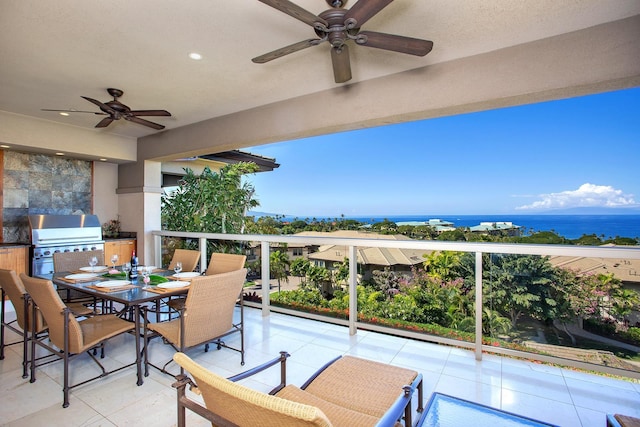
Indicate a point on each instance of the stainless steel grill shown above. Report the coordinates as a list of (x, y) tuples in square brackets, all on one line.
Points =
[(61, 233)]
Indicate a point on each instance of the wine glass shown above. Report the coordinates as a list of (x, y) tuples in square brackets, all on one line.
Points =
[(93, 262), (114, 260), (146, 271), (178, 267), (126, 268)]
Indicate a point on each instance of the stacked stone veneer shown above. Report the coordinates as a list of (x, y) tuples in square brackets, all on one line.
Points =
[(42, 184)]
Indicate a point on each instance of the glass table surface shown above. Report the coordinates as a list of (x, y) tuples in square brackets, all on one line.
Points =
[(447, 411)]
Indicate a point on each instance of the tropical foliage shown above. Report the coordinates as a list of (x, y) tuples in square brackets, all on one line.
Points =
[(210, 202), (441, 292)]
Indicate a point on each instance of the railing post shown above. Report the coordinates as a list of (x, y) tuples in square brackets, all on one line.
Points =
[(478, 347), (266, 277), (204, 262), (157, 250), (353, 289)]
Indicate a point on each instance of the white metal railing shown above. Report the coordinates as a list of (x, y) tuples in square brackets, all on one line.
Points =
[(617, 252)]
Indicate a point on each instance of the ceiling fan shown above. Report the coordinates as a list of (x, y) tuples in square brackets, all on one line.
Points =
[(116, 110), (339, 25)]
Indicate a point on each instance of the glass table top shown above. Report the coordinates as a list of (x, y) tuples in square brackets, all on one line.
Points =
[(448, 411)]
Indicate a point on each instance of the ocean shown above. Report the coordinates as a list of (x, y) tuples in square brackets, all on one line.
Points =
[(568, 226)]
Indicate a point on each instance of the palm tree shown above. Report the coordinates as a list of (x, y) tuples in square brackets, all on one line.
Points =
[(279, 263)]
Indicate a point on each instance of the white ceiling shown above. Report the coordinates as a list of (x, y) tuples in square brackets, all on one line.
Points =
[(52, 52)]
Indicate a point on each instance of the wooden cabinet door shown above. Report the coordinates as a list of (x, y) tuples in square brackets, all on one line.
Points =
[(123, 248), (15, 259), (126, 249)]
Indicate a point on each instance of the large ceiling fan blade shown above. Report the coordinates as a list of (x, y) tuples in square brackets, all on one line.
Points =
[(144, 122), (362, 11), (297, 12), (104, 107), (104, 122), (395, 43), (341, 64), (74, 111), (150, 113), (286, 50)]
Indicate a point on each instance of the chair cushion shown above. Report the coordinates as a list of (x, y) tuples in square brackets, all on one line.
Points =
[(361, 385), (99, 328), (337, 414)]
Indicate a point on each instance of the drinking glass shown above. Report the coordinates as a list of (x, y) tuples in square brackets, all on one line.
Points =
[(178, 267), (93, 262), (114, 260)]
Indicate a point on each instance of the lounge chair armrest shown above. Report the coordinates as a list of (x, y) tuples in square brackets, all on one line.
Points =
[(397, 410), (318, 372), (283, 371), (399, 407), (185, 403)]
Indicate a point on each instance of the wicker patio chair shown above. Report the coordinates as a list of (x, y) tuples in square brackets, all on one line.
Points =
[(188, 257), (12, 287), (207, 316), (218, 263), (73, 261), (223, 263), (231, 404), (70, 336)]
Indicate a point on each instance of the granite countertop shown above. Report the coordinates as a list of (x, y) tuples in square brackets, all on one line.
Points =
[(123, 235), (14, 244)]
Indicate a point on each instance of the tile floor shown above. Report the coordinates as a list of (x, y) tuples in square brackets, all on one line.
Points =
[(561, 396)]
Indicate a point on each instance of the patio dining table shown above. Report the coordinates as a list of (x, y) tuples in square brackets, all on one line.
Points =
[(131, 296)]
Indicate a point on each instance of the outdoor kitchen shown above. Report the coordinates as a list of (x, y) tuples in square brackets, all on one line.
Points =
[(48, 207)]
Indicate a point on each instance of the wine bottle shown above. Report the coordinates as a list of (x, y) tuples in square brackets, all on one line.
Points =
[(133, 275)]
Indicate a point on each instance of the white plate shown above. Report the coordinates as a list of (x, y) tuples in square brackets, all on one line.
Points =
[(173, 284), (81, 276), (97, 269), (187, 275), (113, 283)]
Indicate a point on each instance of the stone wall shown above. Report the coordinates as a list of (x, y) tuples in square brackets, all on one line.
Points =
[(42, 184)]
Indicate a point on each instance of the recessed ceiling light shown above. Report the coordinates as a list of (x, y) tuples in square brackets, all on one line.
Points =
[(103, 160), (5, 146), (195, 56), (59, 154), (64, 114)]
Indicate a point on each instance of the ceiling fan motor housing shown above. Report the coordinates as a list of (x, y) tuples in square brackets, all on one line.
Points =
[(337, 33)]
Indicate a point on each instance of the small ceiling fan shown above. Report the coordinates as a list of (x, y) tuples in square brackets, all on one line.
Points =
[(339, 25), (116, 110)]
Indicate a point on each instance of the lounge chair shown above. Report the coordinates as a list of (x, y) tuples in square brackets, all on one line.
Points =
[(348, 391)]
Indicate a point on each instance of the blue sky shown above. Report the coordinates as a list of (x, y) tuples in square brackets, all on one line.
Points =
[(580, 152)]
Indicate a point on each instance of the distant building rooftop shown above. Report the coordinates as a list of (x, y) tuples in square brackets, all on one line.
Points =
[(492, 226), (437, 224)]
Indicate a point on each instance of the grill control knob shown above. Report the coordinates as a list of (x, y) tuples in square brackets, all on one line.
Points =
[(67, 250), (47, 253)]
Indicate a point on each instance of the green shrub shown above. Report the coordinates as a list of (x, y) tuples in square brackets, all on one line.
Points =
[(632, 335)]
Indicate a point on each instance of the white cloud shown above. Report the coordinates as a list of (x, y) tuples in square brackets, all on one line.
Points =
[(588, 195)]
